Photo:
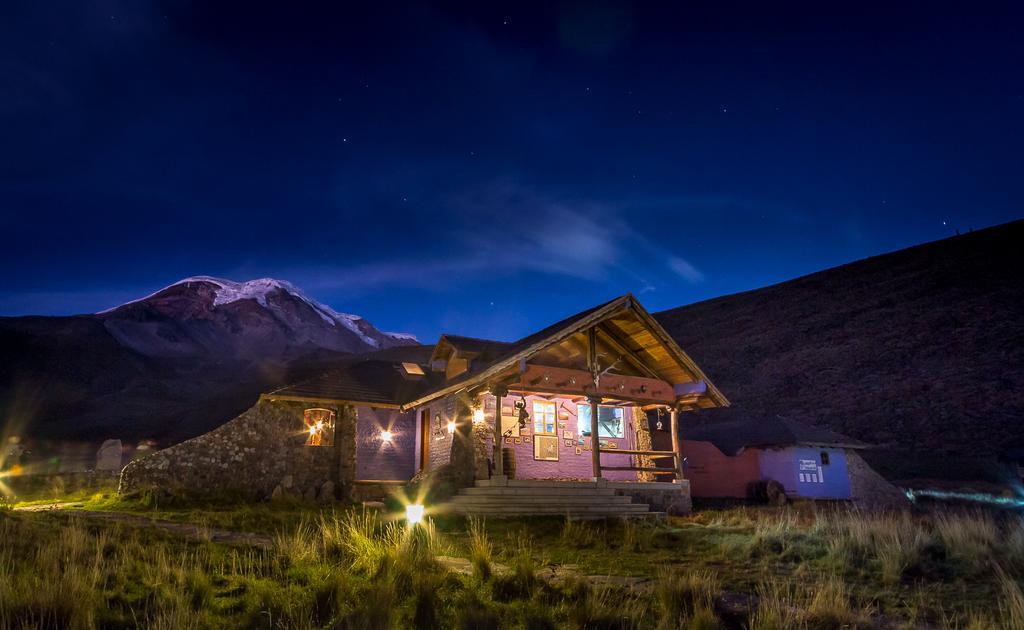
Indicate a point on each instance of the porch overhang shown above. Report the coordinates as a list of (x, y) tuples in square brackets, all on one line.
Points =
[(625, 326)]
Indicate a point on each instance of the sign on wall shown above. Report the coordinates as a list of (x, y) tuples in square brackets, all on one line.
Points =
[(808, 471)]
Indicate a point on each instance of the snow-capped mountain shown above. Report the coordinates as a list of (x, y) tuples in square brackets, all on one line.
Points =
[(258, 318), (170, 365)]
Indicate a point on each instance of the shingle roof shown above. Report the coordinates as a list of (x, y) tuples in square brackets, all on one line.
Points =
[(731, 432), (486, 347), (374, 377)]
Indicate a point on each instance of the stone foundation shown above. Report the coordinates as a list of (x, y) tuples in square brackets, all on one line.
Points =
[(258, 455), (671, 498)]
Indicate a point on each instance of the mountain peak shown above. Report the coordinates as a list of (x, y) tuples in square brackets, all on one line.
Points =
[(195, 304)]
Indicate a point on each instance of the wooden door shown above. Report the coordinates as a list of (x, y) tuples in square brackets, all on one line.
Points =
[(424, 439)]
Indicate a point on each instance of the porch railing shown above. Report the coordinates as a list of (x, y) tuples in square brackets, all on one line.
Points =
[(654, 454)]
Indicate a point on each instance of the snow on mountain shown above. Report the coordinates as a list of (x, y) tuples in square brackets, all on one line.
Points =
[(212, 313)]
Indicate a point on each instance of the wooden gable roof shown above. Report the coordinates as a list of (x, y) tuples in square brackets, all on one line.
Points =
[(621, 323)]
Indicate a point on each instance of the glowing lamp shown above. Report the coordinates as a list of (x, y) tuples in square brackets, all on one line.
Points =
[(414, 513), (385, 435), (478, 415), (451, 426), (312, 430)]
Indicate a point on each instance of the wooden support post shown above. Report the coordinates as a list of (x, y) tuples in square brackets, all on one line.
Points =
[(499, 459), (677, 442), (595, 441)]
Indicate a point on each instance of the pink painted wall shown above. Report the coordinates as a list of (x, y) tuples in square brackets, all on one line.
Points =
[(712, 473), (569, 464)]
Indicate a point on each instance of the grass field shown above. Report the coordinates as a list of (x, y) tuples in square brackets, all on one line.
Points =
[(349, 568)]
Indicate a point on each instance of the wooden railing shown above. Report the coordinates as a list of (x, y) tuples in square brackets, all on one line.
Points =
[(653, 454)]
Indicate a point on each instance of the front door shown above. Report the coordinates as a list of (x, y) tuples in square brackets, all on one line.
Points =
[(424, 439)]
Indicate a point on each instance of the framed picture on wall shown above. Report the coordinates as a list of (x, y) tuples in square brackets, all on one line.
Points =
[(508, 440), (545, 448), (509, 426), (568, 443), (579, 451), (526, 439), (567, 435), (517, 440)]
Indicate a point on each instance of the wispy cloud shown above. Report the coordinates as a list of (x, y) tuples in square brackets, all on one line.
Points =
[(685, 270), (504, 229)]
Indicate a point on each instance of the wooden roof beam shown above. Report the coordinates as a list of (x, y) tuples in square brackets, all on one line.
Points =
[(617, 345)]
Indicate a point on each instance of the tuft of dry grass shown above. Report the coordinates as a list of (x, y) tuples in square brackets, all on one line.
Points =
[(824, 603), (686, 597), (480, 555)]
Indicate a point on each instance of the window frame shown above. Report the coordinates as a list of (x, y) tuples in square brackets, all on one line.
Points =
[(537, 415), (621, 416), (324, 437)]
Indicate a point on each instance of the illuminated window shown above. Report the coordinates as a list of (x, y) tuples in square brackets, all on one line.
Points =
[(319, 427), (609, 421), (413, 369), (544, 417)]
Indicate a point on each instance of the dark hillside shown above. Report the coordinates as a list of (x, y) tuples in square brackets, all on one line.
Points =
[(921, 349)]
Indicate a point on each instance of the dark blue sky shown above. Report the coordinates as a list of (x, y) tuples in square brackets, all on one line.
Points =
[(487, 168)]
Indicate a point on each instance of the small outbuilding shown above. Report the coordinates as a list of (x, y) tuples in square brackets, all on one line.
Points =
[(736, 458)]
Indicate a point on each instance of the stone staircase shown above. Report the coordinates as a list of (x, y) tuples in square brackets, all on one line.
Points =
[(499, 497)]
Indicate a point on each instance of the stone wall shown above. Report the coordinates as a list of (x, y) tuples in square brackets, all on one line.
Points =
[(870, 490), (258, 455), (671, 498)]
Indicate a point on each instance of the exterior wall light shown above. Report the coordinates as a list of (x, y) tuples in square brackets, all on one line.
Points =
[(414, 513), (478, 415), (385, 436), (451, 426)]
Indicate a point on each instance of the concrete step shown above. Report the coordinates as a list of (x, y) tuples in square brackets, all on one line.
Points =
[(539, 491), (520, 500), (633, 508), (534, 483), (462, 501)]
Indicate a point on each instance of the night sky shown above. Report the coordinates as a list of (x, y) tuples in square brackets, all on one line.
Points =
[(486, 169)]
